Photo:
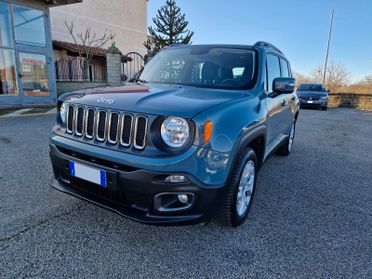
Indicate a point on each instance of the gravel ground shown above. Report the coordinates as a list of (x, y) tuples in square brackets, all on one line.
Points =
[(311, 217)]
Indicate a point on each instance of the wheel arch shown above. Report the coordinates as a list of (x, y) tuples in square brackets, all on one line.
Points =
[(255, 139)]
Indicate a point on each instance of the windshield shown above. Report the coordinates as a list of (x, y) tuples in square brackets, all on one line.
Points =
[(311, 87), (204, 66)]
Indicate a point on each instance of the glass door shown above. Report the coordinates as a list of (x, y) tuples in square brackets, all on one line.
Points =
[(33, 55), (34, 74)]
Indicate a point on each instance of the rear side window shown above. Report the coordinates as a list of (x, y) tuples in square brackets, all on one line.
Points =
[(273, 70), (285, 68)]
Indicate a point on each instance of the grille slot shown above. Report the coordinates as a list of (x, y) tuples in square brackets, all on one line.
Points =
[(89, 123), (79, 121), (70, 119), (113, 127), (101, 125), (107, 126), (140, 130), (126, 129)]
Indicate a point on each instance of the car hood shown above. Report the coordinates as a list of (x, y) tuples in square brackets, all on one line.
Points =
[(159, 99), (311, 93)]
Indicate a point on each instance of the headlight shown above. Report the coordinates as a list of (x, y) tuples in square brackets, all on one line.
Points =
[(175, 131), (324, 97), (63, 112)]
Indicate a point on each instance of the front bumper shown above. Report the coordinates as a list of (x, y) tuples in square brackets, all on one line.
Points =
[(131, 191), (313, 103)]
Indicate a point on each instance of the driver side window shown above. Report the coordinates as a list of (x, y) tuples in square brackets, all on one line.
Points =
[(272, 70)]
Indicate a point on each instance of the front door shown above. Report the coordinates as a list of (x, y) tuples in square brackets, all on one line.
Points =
[(33, 59), (276, 104)]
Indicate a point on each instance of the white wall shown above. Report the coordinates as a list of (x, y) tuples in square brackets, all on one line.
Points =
[(127, 19)]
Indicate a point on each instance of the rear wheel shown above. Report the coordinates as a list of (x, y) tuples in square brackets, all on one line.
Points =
[(286, 148), (242, 184)]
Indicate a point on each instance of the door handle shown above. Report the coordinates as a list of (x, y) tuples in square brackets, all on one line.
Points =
[(284, 103)]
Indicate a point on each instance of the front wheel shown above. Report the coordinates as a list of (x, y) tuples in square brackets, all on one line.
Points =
[(242, 183)]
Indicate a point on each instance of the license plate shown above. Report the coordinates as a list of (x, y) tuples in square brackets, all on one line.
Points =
[(310, 102), (88, 173)]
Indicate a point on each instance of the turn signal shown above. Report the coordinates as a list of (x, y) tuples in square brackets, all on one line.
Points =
[(208, 128)]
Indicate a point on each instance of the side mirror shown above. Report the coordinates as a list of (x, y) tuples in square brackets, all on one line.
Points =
[(284, 85)]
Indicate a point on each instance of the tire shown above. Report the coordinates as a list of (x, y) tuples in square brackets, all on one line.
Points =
[(234, 213), (286, 147), (324, 108)]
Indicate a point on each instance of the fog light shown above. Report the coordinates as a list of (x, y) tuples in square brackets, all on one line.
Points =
[(183, 198), (176, 179)]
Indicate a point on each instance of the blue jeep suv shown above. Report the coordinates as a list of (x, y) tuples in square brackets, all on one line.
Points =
[(184, 141)]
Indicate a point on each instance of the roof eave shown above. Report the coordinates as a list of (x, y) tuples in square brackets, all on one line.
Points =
[(54, 3)]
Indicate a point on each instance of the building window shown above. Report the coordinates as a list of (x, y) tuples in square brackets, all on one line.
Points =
[(8, 78), (5, 30), (29, 26)]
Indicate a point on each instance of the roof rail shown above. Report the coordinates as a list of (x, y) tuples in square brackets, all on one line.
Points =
[(266, 44)]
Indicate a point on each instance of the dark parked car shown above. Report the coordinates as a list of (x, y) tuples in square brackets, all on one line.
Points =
[(185, 141), (313, 95)]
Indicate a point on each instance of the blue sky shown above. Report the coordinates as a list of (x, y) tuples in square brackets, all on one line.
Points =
[(299, 28)]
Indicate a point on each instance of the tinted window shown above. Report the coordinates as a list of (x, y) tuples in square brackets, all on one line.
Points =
[(311, 87), (203, 66), (285, 68), (273, 70)]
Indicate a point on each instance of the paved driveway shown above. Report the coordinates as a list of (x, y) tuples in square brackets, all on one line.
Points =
[(311, 218)]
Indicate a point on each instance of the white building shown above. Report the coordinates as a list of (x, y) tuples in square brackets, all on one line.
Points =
[(127, 19), (28, 27)]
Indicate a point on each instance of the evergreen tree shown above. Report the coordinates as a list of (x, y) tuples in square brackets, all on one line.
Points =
[(170, 28)]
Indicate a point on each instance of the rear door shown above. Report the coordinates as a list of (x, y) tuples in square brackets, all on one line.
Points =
[(289, 98)]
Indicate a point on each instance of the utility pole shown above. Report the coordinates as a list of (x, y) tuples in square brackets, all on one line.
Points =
[(327, 50)]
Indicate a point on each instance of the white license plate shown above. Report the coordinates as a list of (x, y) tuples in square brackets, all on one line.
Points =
[(310, 102), (88, 173)]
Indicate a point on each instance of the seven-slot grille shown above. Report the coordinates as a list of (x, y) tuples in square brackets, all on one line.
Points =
[(113, 127)]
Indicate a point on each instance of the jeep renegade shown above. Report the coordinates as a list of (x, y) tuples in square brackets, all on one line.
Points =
[(184, 141)]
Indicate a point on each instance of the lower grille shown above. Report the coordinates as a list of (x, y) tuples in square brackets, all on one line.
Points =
[(310, 98), (112, 127)]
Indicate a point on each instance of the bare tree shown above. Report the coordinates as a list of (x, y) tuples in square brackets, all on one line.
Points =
[(87, 44), (301, 78), (367, 80), (336, 76)]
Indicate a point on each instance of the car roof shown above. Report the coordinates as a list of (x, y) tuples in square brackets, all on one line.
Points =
[(259, 45)]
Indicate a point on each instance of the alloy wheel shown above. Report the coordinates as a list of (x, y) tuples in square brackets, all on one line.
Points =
[(245, 190)]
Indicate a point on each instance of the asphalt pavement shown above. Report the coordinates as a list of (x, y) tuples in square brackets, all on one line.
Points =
[(311, 217)]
